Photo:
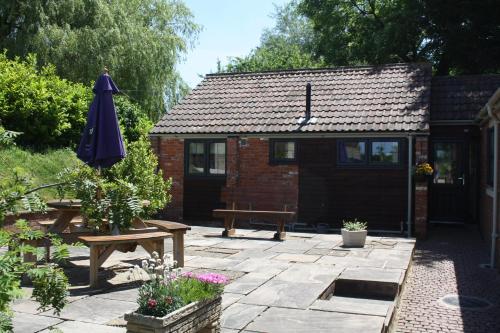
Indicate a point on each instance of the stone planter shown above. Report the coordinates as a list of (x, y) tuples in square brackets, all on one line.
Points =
[(354, 238), (200, 317)]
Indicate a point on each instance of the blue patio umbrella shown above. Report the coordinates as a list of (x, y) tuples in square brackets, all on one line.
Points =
[(101, 145)]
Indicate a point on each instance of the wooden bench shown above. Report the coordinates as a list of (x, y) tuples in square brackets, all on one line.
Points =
[(101, 247), (178, 230), (230, 215)]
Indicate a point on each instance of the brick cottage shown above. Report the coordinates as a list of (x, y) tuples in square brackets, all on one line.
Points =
[(330, 144)]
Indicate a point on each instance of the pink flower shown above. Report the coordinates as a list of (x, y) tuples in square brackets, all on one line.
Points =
[(188, 274), (212, 278), (152, 303)]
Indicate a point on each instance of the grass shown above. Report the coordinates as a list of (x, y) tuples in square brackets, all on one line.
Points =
[(43, 168)]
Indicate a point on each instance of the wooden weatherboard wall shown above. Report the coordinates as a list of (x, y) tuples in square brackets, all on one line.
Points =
[(329, 193)]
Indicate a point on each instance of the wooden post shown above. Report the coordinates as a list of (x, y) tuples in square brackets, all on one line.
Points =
[(94, 265), (178, 241)]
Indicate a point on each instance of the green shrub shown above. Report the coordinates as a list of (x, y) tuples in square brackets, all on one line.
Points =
[(354, 225), (134, 123), (48, 110)]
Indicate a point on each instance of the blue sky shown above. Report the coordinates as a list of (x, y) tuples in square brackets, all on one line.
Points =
[(230, 28)]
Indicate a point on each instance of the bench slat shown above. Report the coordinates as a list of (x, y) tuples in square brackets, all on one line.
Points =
[(167, 225), (270, 215), (116, 239)]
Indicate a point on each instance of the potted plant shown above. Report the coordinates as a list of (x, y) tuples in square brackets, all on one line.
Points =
[(354, 233), (423, 171), (173, 302)]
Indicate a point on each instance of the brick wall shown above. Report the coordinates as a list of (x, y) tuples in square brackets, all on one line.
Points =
[(171, 160), (421, 190), (253, 183)]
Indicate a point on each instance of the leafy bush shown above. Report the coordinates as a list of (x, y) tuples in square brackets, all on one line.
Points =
[(166, 290), (354, 225), (134, 122), (50, 283), (50, 111), (122, 188), (7, 137)]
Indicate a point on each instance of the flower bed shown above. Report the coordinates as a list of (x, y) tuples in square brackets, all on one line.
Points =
[(173, 302)]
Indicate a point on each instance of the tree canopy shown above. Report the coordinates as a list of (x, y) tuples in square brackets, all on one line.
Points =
[(140, 41), (287, 45), (455, 36)]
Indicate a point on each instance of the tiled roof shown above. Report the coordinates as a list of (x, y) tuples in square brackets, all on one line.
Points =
[(386, 98), (461, 97)]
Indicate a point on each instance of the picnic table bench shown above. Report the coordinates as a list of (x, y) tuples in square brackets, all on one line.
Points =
[(230, 215), (101, 247), (178, 230)]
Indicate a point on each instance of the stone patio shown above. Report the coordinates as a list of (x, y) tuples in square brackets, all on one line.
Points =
[(275, 286)]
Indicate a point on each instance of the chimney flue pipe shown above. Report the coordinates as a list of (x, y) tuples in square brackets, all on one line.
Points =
[(308, 101)]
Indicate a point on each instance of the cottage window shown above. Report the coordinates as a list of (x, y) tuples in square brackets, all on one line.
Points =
[(206, 158), (384, 152), (352, 152), (282, 151), (368, 152), (490, 156)]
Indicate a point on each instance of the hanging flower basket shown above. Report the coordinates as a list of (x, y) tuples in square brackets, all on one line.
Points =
[(423, 172)]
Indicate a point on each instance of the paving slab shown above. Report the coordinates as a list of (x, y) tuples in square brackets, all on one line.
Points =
[(214, 263), (293, 246), (30, 323), (349, 261), (261, 265), (353, 305), (95, 310), (237, 316), (247, 283), (229, 299), (393, 258), (280, 320), (254, 254), (309, 273), (79, 327), (128, 295), (295, 257), (372, 274), (285, 294), (242, 244)]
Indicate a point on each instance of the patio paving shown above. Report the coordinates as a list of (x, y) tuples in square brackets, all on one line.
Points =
[(275, 286)]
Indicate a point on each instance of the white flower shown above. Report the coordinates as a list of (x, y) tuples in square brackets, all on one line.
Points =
[(155, 255), (144, 264), (136, 266)]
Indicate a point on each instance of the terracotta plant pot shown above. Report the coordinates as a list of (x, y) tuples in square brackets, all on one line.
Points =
[(201, 317), (354, 238)]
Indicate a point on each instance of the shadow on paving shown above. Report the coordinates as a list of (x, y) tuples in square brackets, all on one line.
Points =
[(448, 262)]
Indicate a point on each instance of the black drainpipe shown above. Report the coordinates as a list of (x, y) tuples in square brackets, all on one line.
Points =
[(308, 101)]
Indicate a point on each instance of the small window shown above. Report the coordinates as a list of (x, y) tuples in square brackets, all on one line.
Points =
[(206, 158), (352, 152), (196, 165), (368, 152), (490, 155), (283, 151), (384, 152), (217, 158)]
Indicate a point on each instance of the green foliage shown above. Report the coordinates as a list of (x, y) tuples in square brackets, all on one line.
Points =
[(122, 188), (140, 41), (354, 225), (7, 138), (41, 168), (140, 167), (286, 46), (50, 287), (134, 122), (5, 322), (48, 110), (455, 38), (165, 289)]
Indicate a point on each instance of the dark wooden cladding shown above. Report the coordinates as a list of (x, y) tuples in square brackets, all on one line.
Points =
[(201, 196), (329, 193)]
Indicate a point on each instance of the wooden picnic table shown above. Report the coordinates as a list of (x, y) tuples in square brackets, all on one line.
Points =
[(230, 215), (147, 233)]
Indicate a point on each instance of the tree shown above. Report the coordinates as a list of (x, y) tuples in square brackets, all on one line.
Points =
[(455, 36), (287, 45), (140, 41)]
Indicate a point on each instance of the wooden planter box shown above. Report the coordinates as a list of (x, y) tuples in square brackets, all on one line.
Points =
[(195, 317)]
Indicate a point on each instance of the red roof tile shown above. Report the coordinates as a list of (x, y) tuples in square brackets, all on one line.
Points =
[(386, 98)]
